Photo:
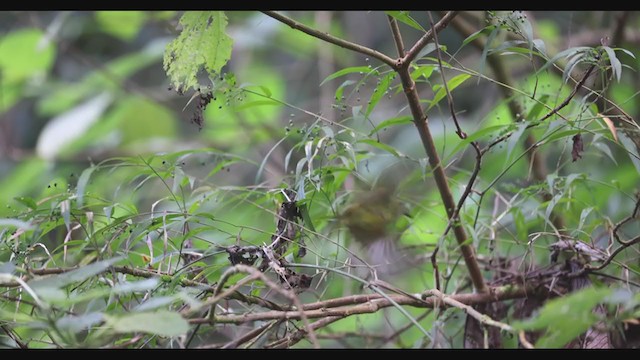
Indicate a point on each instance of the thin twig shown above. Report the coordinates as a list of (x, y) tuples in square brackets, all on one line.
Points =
[(482, 318), (397, 37), (461, 134), (524, 341), (255, 273), (424, 40), (300, 334), (573, 93), (14, 337), (330, 38), (250, 335)]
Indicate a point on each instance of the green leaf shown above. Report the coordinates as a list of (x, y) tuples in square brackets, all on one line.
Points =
[(24, 53), (27, 201), (563, 319), (404, 18), (616, 65), (515, 137), (631, 149), (583, 216), (453, 83), (402, 120), (379, 91), (349, 70), (266, 157), (477, 34), (381, 146), (485, 51), (537, 108), (202, 43), (423, 70), (76, 324), (122, 24), (82, 184), (565, 53), (521, 224), (136, 286), (163, 323)]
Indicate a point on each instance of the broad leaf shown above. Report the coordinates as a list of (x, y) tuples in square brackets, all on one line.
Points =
[(164, 323), (202, 43)]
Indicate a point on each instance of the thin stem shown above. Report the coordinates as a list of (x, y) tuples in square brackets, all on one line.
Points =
[(397, 37), (331, 39)]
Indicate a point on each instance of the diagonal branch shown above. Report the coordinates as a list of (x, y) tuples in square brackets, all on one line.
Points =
[(428, 36), (421, 122), (331, 39), (397, 37)]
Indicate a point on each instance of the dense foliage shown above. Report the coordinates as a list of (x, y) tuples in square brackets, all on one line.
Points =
[(319, 179)]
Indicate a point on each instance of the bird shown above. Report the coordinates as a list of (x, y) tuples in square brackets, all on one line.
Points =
[(371, 216)]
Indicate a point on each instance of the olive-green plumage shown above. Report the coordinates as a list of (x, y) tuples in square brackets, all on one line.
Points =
[(371, 215)]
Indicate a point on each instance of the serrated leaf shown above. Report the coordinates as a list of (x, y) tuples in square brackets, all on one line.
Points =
[(349, 70), (453, 83), (164, 323), (202, 43)]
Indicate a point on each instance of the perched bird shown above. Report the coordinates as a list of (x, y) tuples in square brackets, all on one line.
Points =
[(371, 217)]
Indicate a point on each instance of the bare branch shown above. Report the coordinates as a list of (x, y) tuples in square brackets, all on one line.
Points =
[(424, 40), (484, 319), (420, 120), (397, 37), (375, 304), (331, 39)]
